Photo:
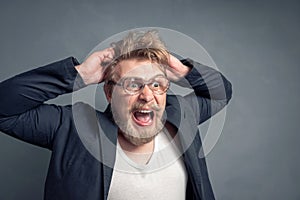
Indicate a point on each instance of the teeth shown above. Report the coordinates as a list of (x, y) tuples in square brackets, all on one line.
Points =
[(144, 111)]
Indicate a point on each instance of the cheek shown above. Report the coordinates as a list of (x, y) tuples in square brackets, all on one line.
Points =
[(122, 104), (117, 102), (129, 102), (161, 100)]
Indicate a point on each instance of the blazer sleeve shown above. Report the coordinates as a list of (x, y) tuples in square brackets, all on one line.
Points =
[(212, 91), (23, 113)]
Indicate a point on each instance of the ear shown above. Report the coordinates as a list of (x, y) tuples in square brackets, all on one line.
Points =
[(108, 92)]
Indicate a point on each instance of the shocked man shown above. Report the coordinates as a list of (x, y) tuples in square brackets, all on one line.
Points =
[(145, 145)]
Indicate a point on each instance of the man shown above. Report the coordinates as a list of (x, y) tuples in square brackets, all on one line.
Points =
[(154, 136)]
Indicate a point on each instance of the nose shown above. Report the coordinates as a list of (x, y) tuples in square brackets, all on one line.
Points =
[(146, 94)]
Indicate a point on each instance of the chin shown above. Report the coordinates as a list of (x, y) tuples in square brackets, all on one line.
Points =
[(138, 141), (138, 133)]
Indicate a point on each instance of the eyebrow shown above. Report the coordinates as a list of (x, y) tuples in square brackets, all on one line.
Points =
[(137, 77)]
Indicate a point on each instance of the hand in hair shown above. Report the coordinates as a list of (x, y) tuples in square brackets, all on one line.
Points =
[(92, 69), (176, 70)]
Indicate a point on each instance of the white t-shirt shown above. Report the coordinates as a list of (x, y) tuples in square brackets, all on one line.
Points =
[(163, 177)]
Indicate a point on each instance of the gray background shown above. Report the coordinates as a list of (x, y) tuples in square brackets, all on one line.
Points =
[(254, 43)]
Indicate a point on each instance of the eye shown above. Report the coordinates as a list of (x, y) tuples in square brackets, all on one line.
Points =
[(134, 85), (155, 84)]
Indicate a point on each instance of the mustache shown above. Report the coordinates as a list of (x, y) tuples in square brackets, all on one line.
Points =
[(140, 105)]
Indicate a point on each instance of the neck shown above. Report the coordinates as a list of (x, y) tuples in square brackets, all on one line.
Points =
[(127, 146), (140, 154)]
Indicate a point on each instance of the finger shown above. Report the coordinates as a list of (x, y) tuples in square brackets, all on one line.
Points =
[(109, 52), (107, 59)]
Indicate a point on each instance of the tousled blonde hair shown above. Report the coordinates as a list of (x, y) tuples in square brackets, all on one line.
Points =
[(141, 45)]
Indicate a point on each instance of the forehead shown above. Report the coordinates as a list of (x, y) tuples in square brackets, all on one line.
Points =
[(138, 68)]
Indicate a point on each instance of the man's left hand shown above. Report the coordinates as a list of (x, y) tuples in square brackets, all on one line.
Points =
[(176, 70)]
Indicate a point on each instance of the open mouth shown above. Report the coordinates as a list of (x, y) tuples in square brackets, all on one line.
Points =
[(143, 117)]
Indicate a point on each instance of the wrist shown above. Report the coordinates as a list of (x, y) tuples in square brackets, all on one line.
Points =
[(185, 70), (83, 74)]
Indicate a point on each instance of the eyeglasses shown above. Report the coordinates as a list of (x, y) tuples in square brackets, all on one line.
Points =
[(134, 85)]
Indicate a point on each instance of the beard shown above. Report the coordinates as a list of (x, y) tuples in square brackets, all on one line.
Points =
[(135, 134)]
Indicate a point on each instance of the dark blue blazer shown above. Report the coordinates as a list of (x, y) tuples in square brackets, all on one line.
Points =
[(83, 140)]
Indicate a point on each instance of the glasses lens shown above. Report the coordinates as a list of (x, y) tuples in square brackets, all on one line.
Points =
[(133, 85), (159, 84)]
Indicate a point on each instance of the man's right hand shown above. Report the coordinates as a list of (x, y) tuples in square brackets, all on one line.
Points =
[(92, 69)]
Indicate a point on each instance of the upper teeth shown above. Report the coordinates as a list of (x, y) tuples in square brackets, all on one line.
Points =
[(145, 111)]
